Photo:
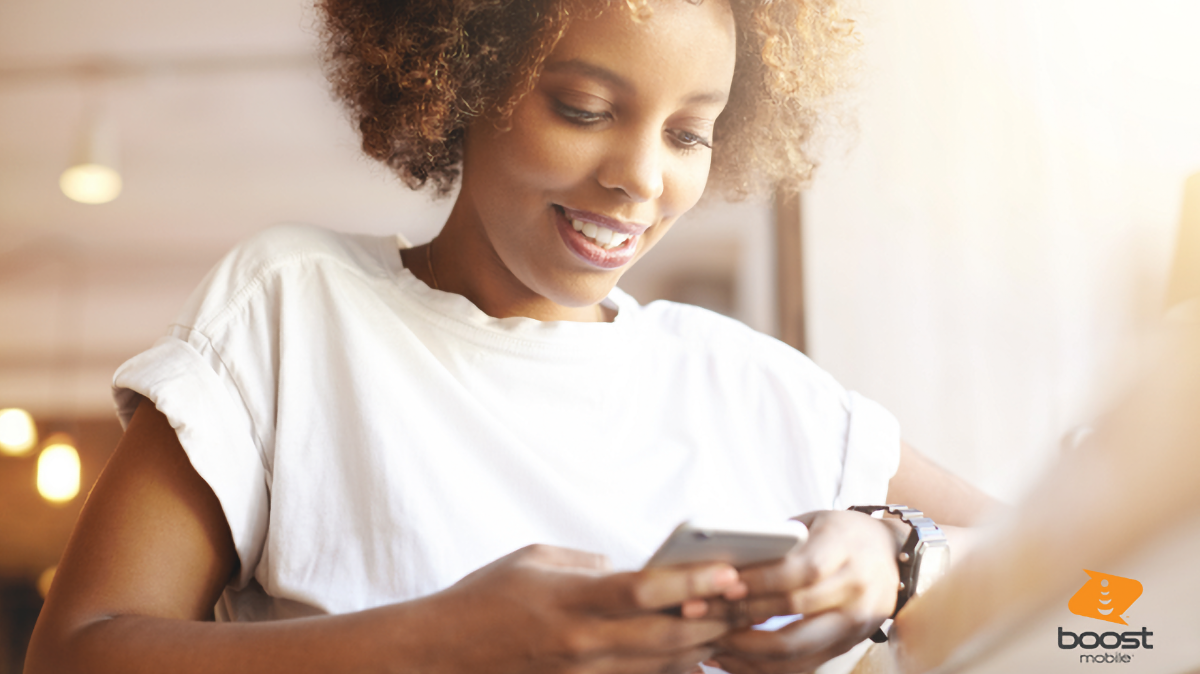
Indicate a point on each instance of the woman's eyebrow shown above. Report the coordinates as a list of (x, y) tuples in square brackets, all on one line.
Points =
[(581, 67), (714, 96)]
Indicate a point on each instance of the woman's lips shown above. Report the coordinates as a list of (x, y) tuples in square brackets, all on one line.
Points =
[(589, 250)]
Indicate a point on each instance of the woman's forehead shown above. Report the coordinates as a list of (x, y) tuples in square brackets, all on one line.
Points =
[(680, 43)]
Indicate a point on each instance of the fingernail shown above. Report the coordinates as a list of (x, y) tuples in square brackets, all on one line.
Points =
[(738, 591), (694, 608), (724, 576)]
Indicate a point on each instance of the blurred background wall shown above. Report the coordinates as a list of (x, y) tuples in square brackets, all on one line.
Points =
[(978, 252), (984, 256)]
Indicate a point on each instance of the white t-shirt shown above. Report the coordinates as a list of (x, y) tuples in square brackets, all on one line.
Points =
[(372, 440)]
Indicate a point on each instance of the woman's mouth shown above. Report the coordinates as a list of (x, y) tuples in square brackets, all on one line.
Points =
[(596, 239), (601, 236)]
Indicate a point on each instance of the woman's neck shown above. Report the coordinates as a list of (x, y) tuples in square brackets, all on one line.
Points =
[(460, 265)]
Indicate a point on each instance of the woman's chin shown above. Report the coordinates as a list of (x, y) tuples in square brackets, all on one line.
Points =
[(581, 296), (577, 303)]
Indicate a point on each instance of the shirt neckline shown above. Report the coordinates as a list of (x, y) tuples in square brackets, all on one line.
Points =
[(459, 315)]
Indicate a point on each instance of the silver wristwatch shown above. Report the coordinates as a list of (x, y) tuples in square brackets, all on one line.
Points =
[(924, 557)]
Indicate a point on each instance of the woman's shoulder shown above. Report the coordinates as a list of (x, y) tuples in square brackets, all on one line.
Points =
[(264, 264), (290, 244), (694, 327), (726, 342)]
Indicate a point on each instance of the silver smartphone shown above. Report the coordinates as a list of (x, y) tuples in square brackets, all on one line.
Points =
[(738, 547)]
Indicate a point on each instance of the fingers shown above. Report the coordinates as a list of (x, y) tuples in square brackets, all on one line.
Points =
[(843, 589), (567, 558), (797, 639), (657, 588), (847, 563), (649, 634), (840, 592), (843, 581), (684, 661), (819, 558), (801, 646)]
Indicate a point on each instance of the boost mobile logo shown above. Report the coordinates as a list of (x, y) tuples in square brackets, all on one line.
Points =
[(1105, 597)]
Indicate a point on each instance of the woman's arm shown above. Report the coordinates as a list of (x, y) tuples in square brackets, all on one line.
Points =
[(152, 552), (148, 559), (943, 496)]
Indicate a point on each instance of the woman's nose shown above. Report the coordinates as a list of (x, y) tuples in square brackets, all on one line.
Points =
[(635, 167)]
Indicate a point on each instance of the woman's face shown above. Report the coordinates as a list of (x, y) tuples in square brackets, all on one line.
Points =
[(601, 157)]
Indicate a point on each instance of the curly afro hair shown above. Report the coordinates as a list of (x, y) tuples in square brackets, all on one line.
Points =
[(415, 73)]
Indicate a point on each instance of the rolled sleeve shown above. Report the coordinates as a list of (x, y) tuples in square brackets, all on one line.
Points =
[(872, 453), (215, 431)]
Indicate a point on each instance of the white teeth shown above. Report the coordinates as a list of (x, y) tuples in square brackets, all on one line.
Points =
[(604, 237)]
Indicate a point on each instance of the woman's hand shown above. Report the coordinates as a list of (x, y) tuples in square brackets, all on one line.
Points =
[(844, 581), (549, 609)]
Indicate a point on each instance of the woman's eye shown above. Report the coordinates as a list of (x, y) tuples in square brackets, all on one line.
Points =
[(688, 140), (579, 116)]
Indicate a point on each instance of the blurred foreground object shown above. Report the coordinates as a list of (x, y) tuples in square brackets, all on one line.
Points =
[(1120, 508), (1124, 503), (1184, 285)]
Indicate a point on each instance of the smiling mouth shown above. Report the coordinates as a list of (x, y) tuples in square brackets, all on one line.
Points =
[(599, 240), (602, 236), (602, 230)]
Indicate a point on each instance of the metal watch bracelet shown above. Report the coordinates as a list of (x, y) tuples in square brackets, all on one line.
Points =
[(923, 558)]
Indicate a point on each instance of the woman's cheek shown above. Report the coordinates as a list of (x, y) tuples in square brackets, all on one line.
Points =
[(686, 186), (548, 155)]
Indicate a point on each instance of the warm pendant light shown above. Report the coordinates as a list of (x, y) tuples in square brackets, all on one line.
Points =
[(58, 470), (18, 434), (93, 177)]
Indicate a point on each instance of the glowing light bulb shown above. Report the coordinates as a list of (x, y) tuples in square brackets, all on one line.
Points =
[(93, 176), (18, 434), (58, 472), (91, 183)]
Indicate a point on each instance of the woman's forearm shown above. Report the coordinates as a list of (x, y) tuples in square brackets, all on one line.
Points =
[(539, 608), (395, 638)]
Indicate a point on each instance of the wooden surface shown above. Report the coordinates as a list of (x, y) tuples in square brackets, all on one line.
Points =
[(789, 246)]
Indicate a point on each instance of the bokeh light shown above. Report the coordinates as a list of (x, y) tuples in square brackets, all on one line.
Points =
[(18, 434), (58, 471), (91, 183), (45, 579)]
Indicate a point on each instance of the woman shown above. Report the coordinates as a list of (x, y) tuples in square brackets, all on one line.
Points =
[(341, 443)]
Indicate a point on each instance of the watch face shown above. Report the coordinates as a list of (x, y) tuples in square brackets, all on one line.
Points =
[(935, 561)]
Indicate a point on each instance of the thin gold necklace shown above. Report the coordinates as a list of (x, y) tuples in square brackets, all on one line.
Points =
[(429, 262)]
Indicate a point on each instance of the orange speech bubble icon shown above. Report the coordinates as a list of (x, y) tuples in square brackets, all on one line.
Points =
[(1105, 597)]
